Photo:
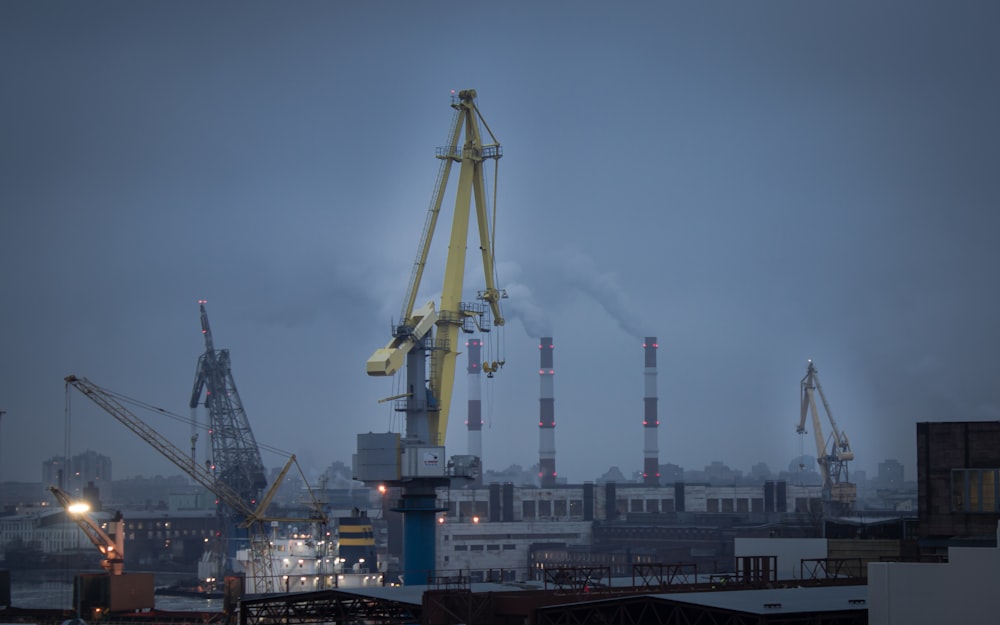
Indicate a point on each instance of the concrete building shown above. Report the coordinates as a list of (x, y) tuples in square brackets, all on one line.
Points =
[(87, 468), (958, 484), (517, 530)]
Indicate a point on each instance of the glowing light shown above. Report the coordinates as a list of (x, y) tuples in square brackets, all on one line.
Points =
[(475, 519), (382, 489), (440, 520), (79, 507)]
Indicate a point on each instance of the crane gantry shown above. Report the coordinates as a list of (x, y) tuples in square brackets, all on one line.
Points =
[(430, 332), (839, 494)]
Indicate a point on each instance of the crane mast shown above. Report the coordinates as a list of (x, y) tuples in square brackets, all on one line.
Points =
[(430, 333), (839, 494), (235, 456)]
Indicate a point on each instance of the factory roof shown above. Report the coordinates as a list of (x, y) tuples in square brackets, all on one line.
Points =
[(779, 600)]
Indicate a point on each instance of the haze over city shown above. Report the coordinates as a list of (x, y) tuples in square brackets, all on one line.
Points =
[(755, 184)]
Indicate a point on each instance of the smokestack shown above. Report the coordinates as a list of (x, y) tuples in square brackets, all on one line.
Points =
[(546, 416), (475, 418), (650, 421)]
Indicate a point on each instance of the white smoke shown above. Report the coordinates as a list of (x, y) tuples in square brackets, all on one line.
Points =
[(521, 305), (605, 288)]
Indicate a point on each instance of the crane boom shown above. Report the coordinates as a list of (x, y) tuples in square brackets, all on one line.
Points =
[(252, 518), (452, 314), (198, 473)]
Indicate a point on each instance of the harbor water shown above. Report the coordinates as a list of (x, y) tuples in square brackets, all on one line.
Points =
[(54, 589)]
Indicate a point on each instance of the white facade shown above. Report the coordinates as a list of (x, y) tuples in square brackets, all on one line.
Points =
[(477, 549), (963, 590), (55, 538)]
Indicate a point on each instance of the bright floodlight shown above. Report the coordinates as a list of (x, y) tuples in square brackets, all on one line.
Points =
[(79, 507)]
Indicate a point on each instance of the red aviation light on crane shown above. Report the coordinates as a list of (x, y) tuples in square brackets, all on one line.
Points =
[(655, 345)]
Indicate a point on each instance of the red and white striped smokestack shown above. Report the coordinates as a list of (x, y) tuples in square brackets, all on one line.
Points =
[(650, 421), (546, 415), (475, 418)]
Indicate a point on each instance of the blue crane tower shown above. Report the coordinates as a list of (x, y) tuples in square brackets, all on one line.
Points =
[(235, 460)]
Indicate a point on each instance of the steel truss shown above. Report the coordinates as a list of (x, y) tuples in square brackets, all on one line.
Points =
[(326, 606)]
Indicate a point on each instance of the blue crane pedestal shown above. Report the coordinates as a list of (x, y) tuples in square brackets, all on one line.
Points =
[(419, 508)]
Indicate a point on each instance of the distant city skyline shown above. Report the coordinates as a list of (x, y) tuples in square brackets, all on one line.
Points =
[(92, 465)]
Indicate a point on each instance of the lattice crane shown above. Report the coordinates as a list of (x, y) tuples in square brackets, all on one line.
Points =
[(236, 459), (251, 517)]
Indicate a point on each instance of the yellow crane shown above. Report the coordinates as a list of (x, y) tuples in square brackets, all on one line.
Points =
[(110, 543), (430, 332), (839, 494), (453, 314), (99, 594), (255, 521)]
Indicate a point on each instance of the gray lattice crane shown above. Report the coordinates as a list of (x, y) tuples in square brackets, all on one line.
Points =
[(236, 459)]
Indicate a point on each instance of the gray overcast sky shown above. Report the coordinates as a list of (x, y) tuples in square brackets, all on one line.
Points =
[(755, 183)]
